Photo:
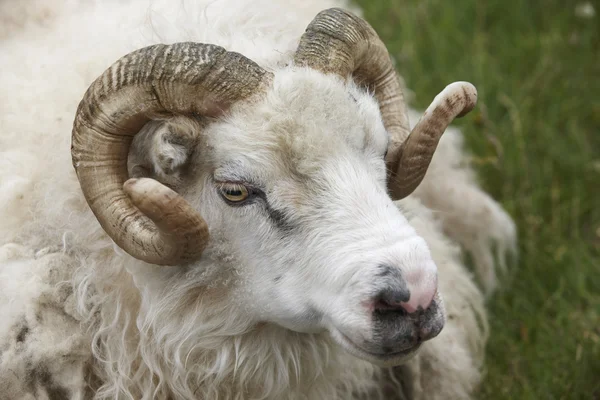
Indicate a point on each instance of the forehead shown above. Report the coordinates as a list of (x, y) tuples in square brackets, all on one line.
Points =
[(304, 120)]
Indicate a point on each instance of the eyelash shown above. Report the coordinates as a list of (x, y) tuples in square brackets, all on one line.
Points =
[(250, 191)]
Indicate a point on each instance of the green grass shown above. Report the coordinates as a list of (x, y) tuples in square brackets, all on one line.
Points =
[(535, 140)]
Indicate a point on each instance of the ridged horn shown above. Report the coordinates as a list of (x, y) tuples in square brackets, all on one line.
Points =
[(145, 218), (455, 101), (341, 43)]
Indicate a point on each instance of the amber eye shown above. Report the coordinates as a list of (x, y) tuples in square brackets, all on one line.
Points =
[(234, 192)]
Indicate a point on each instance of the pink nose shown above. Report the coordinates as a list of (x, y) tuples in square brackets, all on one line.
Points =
[(416, 291)]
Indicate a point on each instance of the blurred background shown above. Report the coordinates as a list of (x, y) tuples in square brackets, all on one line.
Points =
[(535, 142)]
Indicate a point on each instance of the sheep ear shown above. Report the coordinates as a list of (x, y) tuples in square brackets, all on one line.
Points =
[(162, 150)]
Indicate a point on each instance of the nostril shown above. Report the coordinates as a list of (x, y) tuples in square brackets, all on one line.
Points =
[(392, 300), (404, 300), (410, 290)]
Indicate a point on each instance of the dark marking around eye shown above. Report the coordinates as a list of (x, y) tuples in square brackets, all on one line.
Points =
[(277, 278), (279, 218)]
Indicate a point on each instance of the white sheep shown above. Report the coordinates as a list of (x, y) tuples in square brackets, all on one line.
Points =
[(286, 270)]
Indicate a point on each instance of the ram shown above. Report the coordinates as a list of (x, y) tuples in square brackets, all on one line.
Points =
[(244, 212)]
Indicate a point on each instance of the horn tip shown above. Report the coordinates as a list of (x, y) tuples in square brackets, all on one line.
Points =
[(467, 92)]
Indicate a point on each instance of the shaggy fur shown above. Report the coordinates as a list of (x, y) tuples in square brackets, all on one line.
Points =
[(82, 319)]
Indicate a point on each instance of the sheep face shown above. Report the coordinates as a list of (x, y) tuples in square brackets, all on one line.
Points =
[(293, 188)]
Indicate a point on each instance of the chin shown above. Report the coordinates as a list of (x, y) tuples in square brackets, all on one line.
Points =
[(391, 359)]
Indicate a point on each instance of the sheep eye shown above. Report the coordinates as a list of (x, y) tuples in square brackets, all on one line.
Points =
[(233, 192)]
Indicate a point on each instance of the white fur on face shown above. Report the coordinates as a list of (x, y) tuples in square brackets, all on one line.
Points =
[(308, 251)]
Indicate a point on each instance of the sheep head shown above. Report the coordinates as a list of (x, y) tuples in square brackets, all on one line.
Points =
[(290, 171)]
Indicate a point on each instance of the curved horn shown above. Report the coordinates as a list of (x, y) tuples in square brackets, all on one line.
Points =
[(339, 42), (456, 100), (145, 218)]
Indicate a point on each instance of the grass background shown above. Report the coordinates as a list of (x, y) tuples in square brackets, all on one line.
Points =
[(535, 140)]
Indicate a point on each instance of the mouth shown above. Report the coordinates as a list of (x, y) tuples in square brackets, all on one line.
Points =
[(383, 360)]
